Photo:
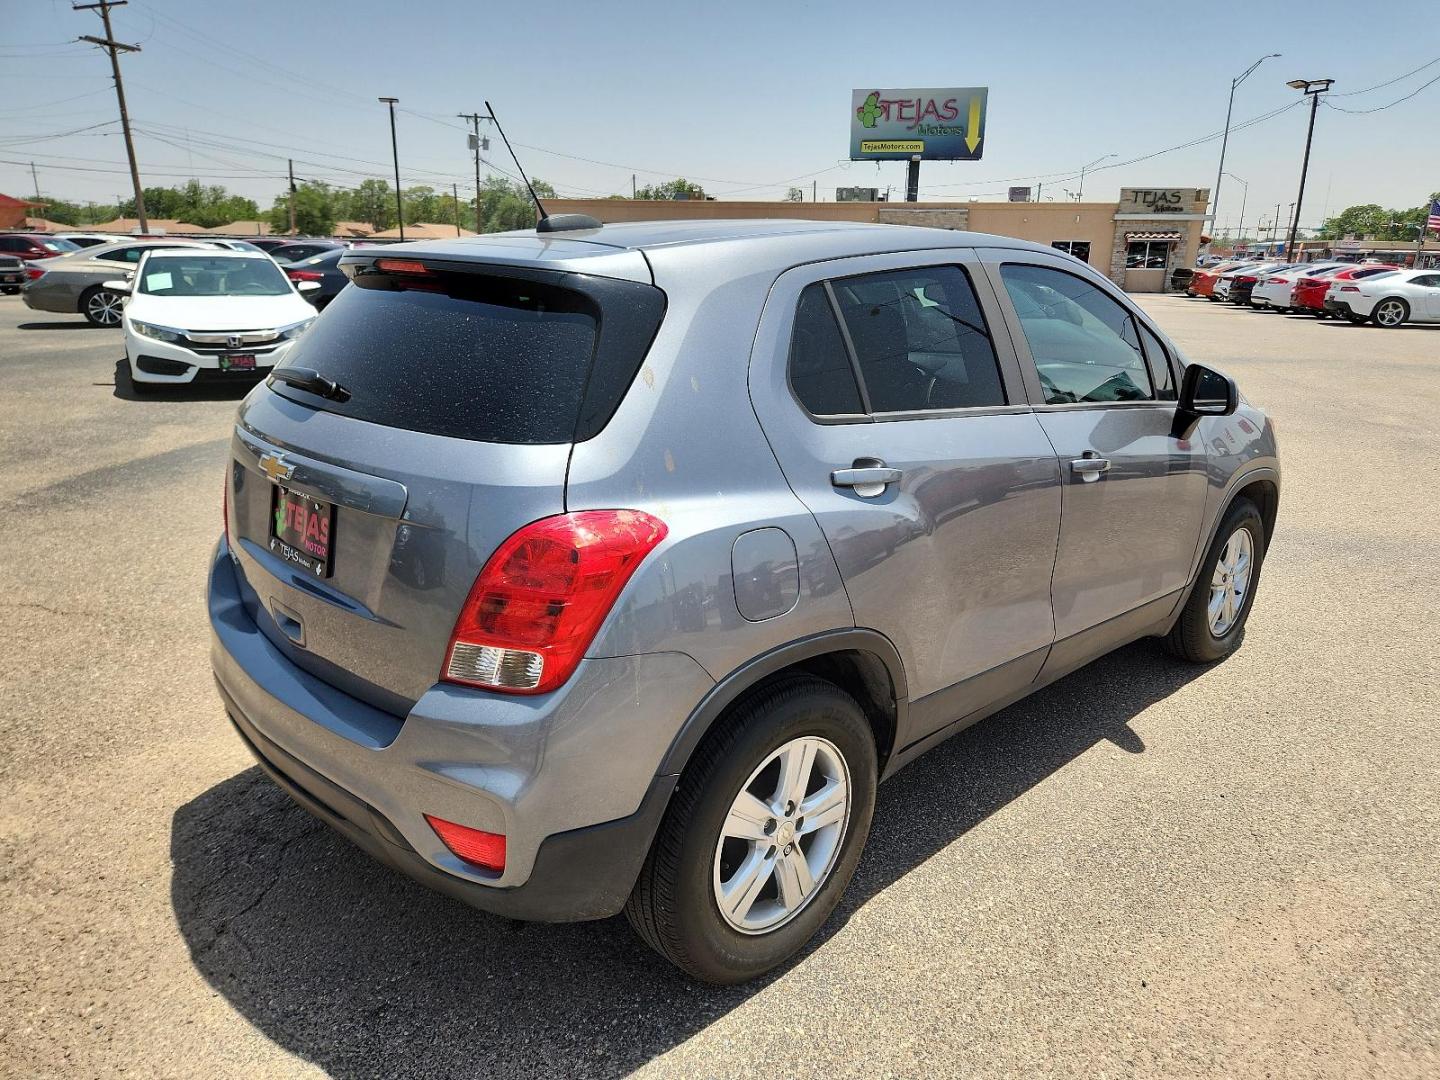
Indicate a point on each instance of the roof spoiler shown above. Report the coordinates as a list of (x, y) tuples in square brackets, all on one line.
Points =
[(566, 223)]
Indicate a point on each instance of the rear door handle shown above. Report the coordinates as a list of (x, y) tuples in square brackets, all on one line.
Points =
[(1089, 468), (868, 477)]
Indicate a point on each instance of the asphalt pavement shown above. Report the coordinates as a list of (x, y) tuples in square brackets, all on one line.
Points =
[(1147, 869)]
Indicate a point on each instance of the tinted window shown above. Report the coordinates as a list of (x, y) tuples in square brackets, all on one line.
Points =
[(920, 340), (472, 356), (125, 255), (820, 370), (1086, 346), (1358, 274), (11, 243)]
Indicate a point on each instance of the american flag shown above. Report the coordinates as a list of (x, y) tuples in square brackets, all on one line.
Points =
[(1434, 220)]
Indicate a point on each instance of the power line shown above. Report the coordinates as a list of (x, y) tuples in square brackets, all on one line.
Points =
[(1391, 105), (1391, 82)]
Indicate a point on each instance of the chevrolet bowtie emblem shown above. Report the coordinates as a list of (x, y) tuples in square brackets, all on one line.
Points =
[(276, 468)]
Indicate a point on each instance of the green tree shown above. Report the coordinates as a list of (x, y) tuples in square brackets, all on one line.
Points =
[(1375, 221), (671, 189), (373, 202), (795, 194), (314, 211)]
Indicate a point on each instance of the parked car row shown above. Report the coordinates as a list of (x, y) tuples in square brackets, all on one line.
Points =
[(1379, 293), (73, 278)]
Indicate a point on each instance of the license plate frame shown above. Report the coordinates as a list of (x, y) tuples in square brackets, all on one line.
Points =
[(244, 362), (302, 530)]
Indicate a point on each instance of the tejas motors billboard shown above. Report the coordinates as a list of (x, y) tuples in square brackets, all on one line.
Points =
[(935, 125)]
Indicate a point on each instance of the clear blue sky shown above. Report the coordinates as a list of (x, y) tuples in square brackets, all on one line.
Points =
[(746, 98)]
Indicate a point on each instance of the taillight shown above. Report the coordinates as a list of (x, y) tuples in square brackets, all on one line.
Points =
[(537, 604), (484, 849), (1277, 281), (401, 266), (304, 275), (1349, 288), (34, 273)]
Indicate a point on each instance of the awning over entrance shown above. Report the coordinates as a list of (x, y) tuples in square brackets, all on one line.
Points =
[(1152, 236)]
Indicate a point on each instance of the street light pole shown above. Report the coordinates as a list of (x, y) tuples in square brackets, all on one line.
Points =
[(1225, 140), (1312, 89), (1243, 198), (395, 151), (1080, 194)]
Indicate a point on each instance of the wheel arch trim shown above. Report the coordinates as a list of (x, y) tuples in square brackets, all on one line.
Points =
[(729, 689)]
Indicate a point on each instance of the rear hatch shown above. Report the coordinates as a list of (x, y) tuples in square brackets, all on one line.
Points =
[(360, 515)]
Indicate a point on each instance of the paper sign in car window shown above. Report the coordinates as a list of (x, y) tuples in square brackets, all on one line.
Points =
[(158, 282)]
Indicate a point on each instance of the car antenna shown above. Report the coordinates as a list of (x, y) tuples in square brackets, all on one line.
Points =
[(547, 223)]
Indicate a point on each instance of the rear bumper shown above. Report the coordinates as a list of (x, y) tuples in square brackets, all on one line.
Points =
[(570, 778), (57, 299)]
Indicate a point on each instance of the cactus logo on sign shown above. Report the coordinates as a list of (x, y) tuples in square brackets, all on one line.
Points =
[(936, 125)]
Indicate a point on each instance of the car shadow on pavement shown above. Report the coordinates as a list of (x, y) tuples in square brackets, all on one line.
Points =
[(77, 324), (355, 968), (125, 388)]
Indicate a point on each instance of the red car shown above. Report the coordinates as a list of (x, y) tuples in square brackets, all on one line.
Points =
[(1310, 291), (35, 245), (1203, 283)]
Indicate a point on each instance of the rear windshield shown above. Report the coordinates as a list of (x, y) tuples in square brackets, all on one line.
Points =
[(480, 356)]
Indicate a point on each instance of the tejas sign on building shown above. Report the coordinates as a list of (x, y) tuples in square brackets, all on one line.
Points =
[(934, 125)]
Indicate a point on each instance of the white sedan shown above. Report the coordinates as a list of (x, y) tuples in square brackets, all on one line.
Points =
[(212, 315), (1275, 291), (1388, 300)]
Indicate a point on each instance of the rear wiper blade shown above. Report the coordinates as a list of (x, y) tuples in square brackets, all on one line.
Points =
[(303, 378)]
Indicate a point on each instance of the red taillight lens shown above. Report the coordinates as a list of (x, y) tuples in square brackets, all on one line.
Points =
[(401, 266), (34, 273), (1349, 288), (1243, 280), (484, 849), (304, 275), (1277, 281), (535, 607)]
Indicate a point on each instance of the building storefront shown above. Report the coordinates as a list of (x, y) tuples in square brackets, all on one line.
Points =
[(1135, 242)]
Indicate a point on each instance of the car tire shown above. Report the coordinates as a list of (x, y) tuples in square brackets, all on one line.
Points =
[(100, 306), (1212, 621), (1390, 313), (675, 907)]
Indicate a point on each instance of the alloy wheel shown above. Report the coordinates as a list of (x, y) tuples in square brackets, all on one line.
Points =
[(104, 308), (1390, 313), (782, 836), (1230, 583)]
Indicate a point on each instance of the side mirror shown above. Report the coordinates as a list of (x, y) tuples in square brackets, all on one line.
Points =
[(1206, 392), (121, 287), (307, 286)]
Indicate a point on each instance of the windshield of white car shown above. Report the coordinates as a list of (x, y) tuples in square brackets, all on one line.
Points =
[(199, 275)]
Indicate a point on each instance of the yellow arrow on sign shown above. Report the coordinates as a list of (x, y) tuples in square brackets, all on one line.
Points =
[(972, 129)]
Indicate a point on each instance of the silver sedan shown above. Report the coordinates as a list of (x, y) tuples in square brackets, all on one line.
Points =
[(75, 283)]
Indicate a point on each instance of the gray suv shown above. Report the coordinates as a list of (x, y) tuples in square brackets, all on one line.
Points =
[(590, 569)]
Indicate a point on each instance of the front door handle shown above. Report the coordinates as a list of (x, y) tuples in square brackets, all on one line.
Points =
[(868, 477), (1089, 467)]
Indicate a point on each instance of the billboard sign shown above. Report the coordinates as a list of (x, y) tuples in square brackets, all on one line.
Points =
[(1019, 194), (931, 124)]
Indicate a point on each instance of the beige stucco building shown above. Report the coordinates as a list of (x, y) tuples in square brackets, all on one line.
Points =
[(1135, 241)]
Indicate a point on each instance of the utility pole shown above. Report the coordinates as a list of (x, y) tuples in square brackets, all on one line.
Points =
[(814, 191), (1312, 88), (292, 198), (474, 119), (115, 48), (34, 176), (1225, 141), (634, 191), (455, 198), (1240, 229), (912, 179), (395, 150)]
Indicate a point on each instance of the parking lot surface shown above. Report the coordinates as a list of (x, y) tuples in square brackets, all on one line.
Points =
[(1147, 869)]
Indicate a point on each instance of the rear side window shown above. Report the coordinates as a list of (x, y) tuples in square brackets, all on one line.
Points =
[(488, 357), (820, 370), (920, 340)]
